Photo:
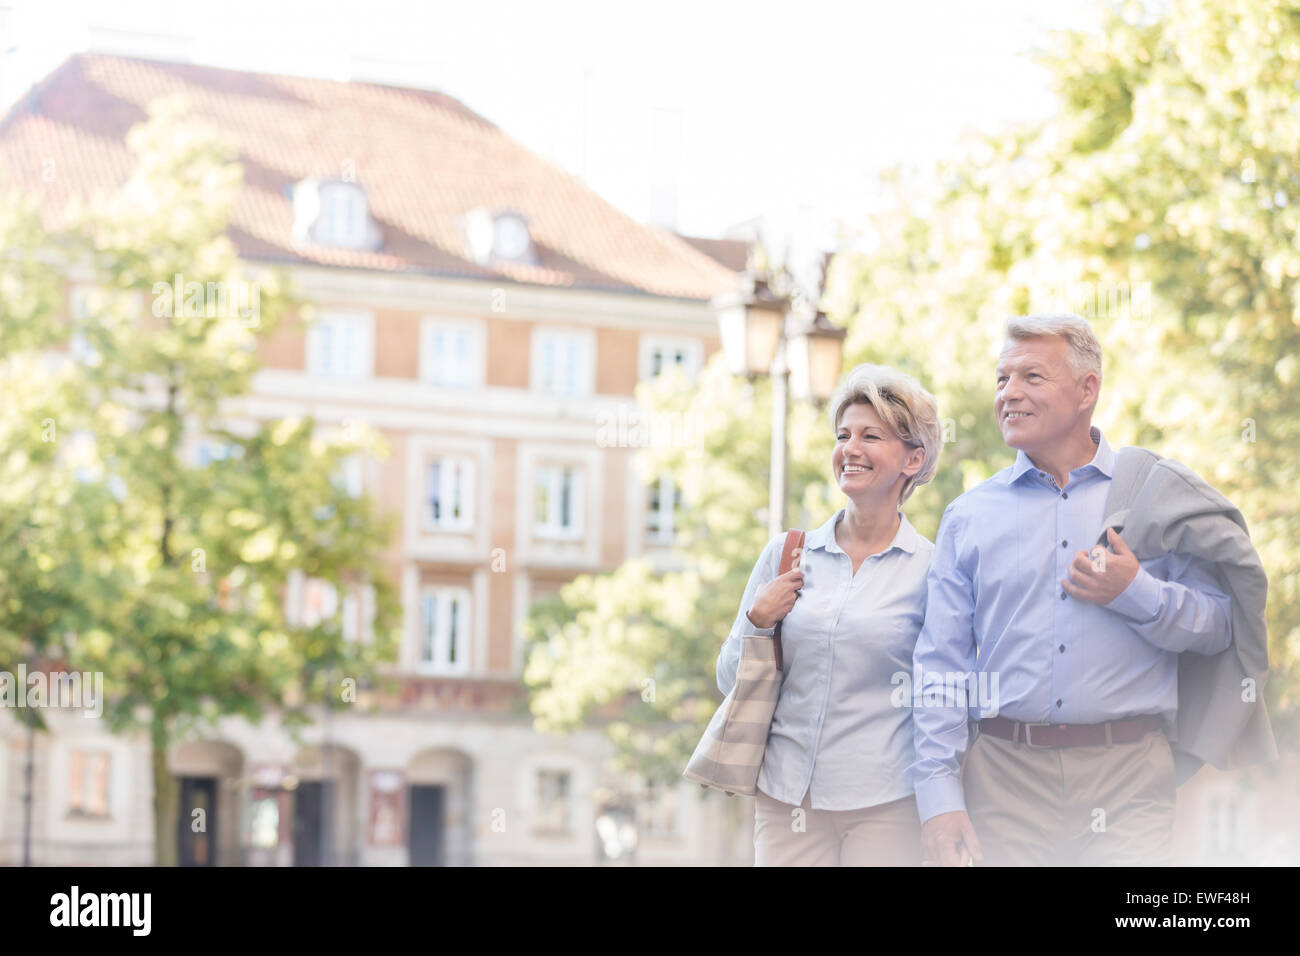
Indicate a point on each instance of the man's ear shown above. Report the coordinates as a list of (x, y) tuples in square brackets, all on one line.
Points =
[(1090, 385)]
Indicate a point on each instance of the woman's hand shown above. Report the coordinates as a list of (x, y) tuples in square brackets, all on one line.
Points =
[(775, 599)]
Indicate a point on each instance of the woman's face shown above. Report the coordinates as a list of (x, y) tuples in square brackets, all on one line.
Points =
[(869, 460)]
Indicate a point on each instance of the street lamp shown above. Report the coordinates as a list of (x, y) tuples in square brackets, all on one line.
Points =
[(761, 335), (750, 321), (816, 352)]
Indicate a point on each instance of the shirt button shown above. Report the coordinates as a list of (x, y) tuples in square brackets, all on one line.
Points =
[(1065, 494), (1064, 595), (1058, 702), (1062, 648), (1065, 544)]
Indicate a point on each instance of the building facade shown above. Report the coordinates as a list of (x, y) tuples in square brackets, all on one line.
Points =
[(490, 319)]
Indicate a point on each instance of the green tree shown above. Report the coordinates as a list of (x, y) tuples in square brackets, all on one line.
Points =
[(1162, 201), (192, 625), (635, 650)]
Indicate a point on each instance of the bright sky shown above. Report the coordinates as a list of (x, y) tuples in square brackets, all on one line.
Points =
[(781, 110)]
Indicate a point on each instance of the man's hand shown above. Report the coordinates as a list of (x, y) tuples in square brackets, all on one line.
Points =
[(1101, 577), (949, 840)]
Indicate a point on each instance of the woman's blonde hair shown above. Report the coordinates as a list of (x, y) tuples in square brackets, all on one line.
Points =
[(908, 409)]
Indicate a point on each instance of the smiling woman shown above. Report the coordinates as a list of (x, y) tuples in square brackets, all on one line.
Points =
[(885, 404), (838, 748)]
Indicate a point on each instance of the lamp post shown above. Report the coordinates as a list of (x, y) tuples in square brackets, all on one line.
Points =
[(28, 768), (764, 333)]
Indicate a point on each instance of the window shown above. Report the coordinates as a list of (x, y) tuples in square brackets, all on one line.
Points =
[(449, 494), (342, 219), (87, 305), (81, 449), (338, 345), (351, 619), (91, 305), (562, 363), (451, 354), (88, 783), (659, 354), (660, 358), (320, 602), (552, 801), (510, 239), (264, 819), (498, 236), (558, 500), (444, 630), (662, 507), (662, 806), (350, 477), (209, 450)]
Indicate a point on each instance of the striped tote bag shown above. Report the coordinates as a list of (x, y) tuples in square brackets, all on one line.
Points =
[(730, 753)]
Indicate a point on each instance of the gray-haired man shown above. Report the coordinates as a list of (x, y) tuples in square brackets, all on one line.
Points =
[(1076, 766)]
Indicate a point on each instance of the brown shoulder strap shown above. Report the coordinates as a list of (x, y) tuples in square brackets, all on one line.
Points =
[(791, 554), (792, 551)]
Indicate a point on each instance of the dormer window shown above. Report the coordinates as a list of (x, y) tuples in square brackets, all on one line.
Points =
[(333, 213), (499, 237), (343, 215)]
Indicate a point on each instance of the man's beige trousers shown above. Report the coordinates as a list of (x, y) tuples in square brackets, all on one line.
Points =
[(1071, 806)]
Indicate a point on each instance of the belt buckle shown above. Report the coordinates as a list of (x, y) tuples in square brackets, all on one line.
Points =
[(1027, 726)]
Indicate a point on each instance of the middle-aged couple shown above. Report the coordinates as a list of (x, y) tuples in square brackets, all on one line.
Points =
[(1071, 762)]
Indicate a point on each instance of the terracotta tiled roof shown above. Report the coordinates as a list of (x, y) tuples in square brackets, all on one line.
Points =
[(732, 254), (424, 159)]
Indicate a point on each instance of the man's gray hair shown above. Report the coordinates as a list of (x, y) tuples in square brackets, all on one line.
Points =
[(1084, 351)]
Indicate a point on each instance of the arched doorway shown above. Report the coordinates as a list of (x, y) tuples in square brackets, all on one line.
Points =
[(207, 774), (326, 808), (439, 824)]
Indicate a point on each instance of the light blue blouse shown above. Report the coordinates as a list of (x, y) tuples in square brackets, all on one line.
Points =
[(839, 728)]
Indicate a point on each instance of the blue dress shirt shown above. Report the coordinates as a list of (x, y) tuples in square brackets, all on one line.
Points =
[(839, 729), (996, 609)]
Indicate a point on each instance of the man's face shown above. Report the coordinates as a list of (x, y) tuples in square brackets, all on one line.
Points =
[(1038, 401)]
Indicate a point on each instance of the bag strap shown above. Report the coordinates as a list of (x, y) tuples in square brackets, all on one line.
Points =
[(791, 554), (1132, 465)]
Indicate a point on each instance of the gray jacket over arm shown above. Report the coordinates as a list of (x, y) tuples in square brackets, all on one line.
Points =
[(1161, 506)]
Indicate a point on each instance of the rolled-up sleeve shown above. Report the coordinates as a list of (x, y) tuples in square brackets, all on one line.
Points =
[(1176, 603), (945, 645), (764, 570)]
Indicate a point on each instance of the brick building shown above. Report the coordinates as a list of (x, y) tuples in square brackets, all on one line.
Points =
[(484, 311)]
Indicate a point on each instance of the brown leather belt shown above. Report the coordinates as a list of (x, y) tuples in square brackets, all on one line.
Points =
[(1126, 731)]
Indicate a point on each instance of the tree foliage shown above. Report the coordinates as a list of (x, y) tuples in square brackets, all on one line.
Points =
[(124, 553), (1161, 201)]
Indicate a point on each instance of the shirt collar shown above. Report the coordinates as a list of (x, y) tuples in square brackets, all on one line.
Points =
[(905, 538), (1103, 460)]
